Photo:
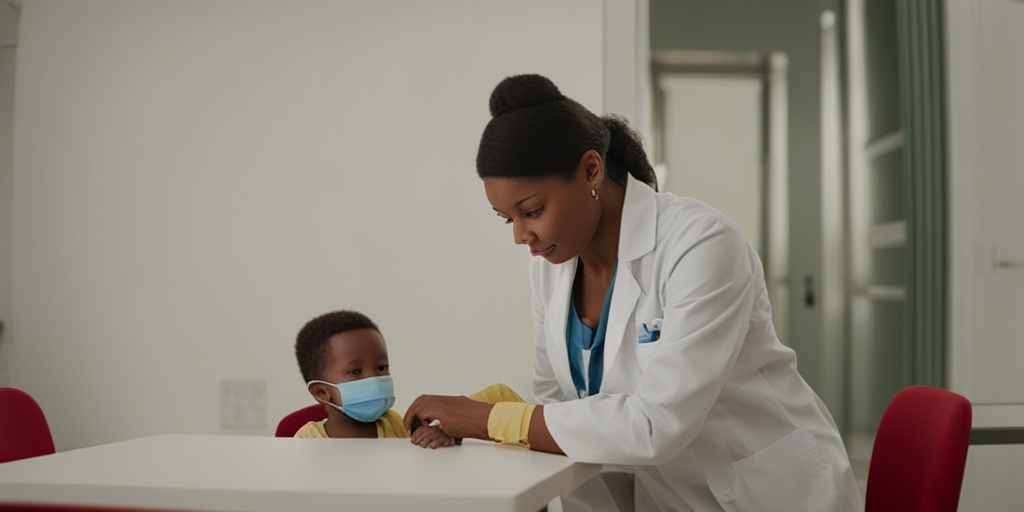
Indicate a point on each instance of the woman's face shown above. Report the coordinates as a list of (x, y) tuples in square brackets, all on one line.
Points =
[(556, 218)]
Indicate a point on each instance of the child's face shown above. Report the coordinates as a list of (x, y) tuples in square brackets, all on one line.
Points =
[(352, 355)]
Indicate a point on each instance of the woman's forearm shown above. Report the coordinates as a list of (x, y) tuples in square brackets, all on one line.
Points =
[(540, 436)]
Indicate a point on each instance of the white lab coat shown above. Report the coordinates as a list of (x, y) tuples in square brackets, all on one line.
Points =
[(713, 415)]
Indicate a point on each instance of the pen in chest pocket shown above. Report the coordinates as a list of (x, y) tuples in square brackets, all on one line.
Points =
[(652, 331)]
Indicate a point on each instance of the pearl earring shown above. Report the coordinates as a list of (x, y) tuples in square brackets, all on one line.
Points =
[(593, 193)]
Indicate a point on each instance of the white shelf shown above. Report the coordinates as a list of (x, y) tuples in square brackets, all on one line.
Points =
[(883, 293), (884, 145), (888, 234)]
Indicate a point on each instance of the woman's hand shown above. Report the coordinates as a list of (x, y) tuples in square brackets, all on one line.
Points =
[(459, 417)]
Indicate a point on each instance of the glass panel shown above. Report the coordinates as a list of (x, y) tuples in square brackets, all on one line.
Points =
[(883, 79), (886, 197), (888, 268)]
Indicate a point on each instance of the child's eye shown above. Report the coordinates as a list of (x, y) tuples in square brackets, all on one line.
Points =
[(357, 371), (534, 213), (382, 368)]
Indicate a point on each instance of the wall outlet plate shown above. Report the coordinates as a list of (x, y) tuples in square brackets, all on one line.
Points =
[(243, 404)]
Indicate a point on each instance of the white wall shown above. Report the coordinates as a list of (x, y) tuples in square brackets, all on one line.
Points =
[(195, 180)]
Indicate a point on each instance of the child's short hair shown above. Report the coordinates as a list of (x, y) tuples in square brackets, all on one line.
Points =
[(311, 343)]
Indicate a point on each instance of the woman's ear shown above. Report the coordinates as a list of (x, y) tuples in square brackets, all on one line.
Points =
[(592, 166)]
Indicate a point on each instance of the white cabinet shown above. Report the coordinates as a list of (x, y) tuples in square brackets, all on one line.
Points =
[(986, 120), (986, 216)]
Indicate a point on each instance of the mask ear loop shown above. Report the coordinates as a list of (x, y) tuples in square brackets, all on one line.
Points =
[(310, 383)]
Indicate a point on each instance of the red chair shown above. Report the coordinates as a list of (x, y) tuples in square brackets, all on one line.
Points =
[(919, 453), (24, 431), (291, 423)]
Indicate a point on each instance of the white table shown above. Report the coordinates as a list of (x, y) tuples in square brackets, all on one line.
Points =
[(248, 473)]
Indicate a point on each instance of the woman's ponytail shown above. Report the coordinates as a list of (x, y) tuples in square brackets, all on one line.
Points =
[(626, 153)]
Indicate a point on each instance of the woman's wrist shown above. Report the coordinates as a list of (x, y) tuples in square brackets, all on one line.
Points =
[(470, 418), (480, 425)]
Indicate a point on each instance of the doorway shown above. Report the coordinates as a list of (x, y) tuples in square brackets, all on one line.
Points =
[(720, 136), (9, 14)]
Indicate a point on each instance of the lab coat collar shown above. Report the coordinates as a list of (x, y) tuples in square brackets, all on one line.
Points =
[(636, 238), (637, 232), (639, 220)]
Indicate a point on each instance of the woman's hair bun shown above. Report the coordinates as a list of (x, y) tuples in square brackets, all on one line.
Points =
[(522, 91)]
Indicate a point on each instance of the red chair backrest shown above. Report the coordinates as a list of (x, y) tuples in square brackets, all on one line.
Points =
[(24, 431), (291, 423), (919, 453)]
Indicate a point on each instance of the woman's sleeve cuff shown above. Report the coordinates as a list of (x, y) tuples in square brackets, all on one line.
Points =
[(509, 423)]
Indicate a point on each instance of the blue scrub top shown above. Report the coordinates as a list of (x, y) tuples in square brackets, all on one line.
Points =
[(580, 337)]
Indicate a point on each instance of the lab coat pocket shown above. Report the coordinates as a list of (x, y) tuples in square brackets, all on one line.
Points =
[(647, 335), (645, 354), (790, 474)]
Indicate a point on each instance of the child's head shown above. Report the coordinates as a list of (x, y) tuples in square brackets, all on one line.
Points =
[(338, 347)]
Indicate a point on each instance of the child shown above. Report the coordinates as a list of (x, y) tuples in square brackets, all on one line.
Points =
[(344, 361)]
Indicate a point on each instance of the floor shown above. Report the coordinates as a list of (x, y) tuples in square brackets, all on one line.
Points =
[(860, 456)]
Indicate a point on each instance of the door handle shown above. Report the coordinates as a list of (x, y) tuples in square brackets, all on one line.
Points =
[(1001, 264)]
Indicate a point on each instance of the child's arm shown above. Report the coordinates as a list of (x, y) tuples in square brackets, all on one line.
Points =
[(433, 437), (496, 393)]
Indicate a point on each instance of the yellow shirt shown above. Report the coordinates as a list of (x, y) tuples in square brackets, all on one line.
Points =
[(496, 393), (389, 425)]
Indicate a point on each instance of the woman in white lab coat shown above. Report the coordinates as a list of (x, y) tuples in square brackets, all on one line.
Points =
[(655, 350)]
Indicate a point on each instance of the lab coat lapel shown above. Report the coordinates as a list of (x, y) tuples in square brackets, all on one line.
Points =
[(624, 298), (556, 321), (636, 238)]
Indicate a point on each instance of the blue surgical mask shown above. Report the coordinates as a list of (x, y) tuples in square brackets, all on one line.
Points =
[(364, 400)]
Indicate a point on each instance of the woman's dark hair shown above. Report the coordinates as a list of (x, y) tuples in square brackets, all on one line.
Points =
[(312, 341), (535, 131)]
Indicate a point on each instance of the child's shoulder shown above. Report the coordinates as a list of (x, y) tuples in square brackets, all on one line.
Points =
[(496, 393), (312, 430), (391, 425)]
